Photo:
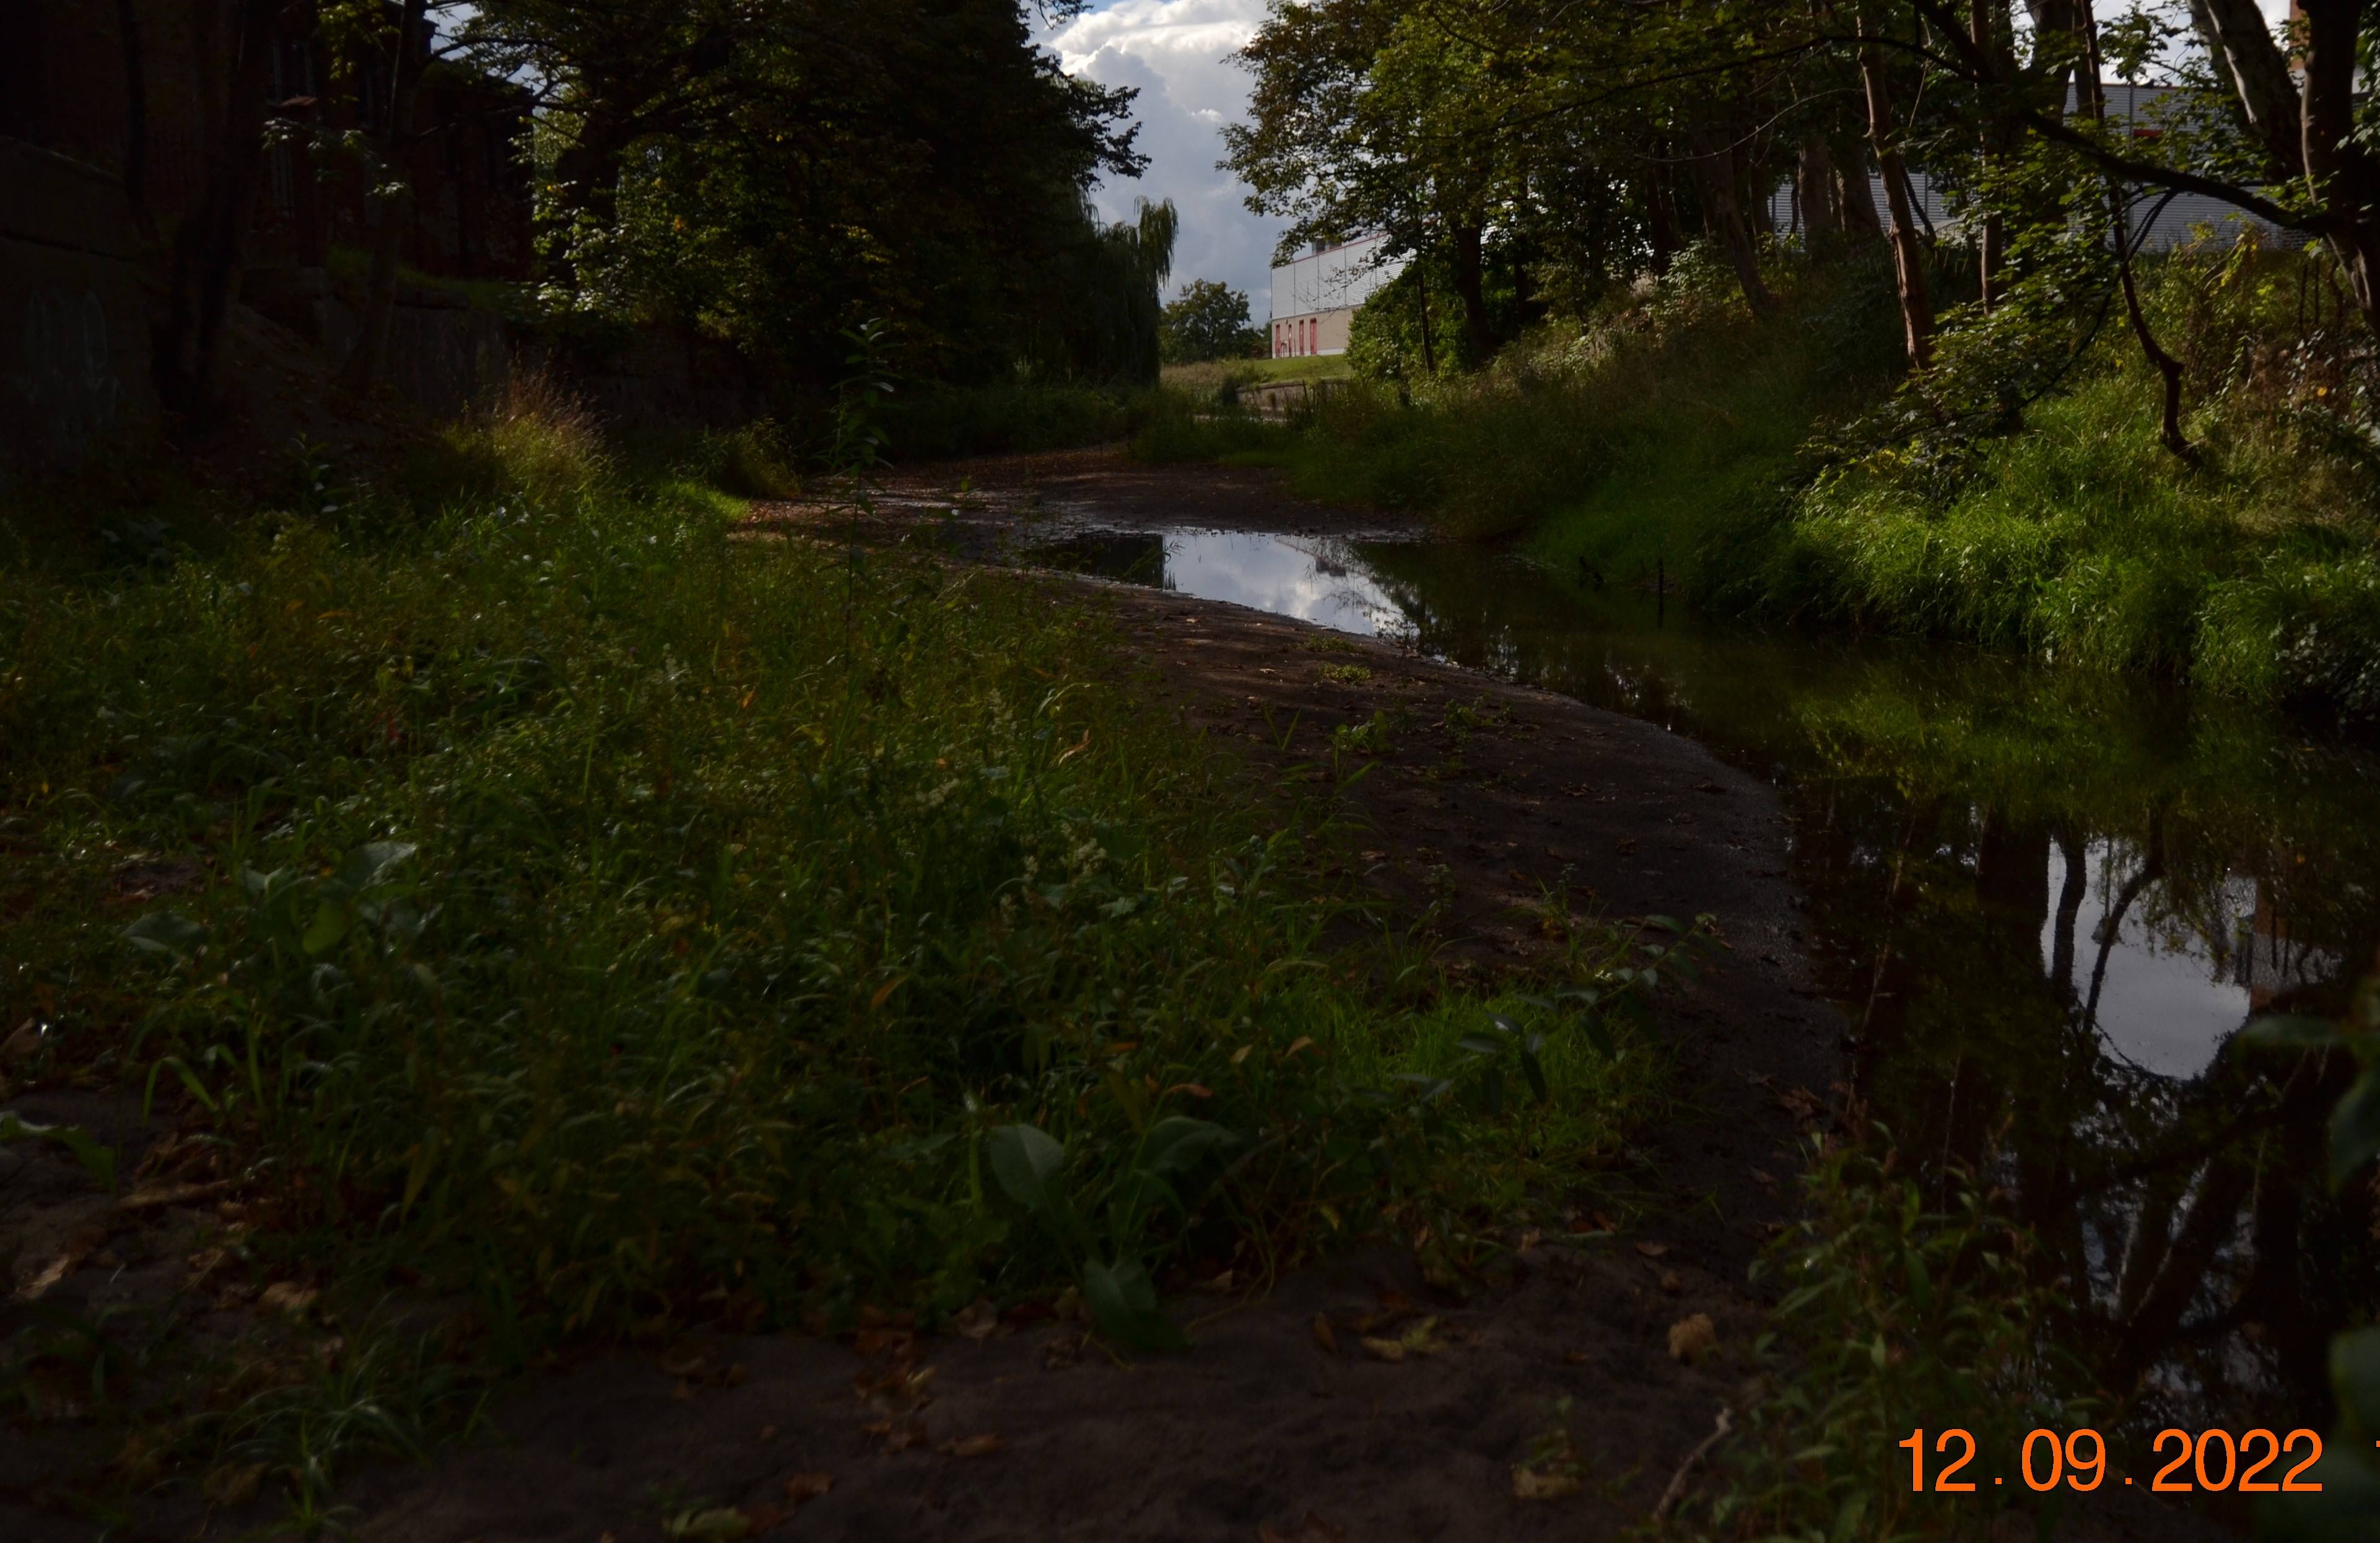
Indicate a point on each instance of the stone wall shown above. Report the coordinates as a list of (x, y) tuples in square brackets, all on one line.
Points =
[(74, 324)]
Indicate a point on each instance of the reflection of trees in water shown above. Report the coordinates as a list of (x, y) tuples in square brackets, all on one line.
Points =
[(2189, 1219), (2203, 1259), (1136, 557)]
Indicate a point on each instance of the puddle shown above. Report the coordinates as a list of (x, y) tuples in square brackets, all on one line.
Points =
[(1314, 580)]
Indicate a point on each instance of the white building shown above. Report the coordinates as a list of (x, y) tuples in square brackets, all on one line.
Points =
[(1314, 297), (2160, 223)]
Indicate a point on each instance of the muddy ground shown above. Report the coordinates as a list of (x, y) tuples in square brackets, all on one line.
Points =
[(1485, 802)]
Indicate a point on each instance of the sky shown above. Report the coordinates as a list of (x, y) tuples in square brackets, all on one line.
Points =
[(1178, 52)]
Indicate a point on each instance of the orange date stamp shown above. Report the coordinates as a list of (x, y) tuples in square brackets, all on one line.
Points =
[(2257, 1461)]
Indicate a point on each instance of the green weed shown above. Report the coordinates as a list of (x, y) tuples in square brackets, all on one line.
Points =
[(595, 914), (1897, 1316)]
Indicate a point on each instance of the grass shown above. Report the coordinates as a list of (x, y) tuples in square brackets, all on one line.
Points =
[(595, 919), (1895, 1316), (1213, 377)]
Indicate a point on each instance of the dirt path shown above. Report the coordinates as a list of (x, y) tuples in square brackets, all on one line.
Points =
[(1483, 799)]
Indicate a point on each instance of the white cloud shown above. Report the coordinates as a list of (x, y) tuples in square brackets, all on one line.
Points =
[(1178, 53)]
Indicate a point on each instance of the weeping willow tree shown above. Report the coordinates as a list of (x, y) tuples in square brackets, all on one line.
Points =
[(1096, 314)]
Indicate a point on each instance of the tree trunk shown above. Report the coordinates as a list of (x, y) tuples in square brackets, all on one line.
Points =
[(1857, 197), (2120, 221), (1985, 27), (1822, 218), (1660, 215), (1908, 254), (1428, 353), (2341, 174), (1723, 216), (362, 371), (1469, 288), (2241, 45), (211, 246)]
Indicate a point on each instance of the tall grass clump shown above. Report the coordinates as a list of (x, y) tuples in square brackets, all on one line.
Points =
[(1905, 1307), (2071, 533), (534, 891), (1630, 437)]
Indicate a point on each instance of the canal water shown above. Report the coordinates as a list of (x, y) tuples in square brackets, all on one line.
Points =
[(2045, 901)]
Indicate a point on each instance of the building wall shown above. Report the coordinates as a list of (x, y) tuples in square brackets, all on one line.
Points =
[(74, 324), (1322, 332), (64, 87), (1320, 292)]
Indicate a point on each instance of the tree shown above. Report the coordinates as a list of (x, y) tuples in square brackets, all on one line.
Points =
[(772, 171), (1209, 320)]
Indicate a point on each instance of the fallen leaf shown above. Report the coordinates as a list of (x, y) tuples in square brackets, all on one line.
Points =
[(1693, 1338), (1529, 1240), (718, 1525), (1324, 1335), (974, 1446), (1312, 1529), (1530, 1484), (1652, 1250), (1800, 1103), (1671, 1283), (287, 1296), (766, 1518), (1220, 1284), (21, 1045), (1575, 1358), (172, 1195), (868, 1342), (233, 1485), (683, 1393), (1416, 1341), (902, 1389), (804, 1487), (1605, 1222), (979, 1321), (686, 1363), (768, 1433), (899, 1435), (83, 1242)]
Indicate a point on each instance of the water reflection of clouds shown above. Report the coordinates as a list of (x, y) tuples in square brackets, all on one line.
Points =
[(1267, 573), (2172, 989)]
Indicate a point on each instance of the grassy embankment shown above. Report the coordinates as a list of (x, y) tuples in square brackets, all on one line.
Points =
[(598, 920), (1675, 435)]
